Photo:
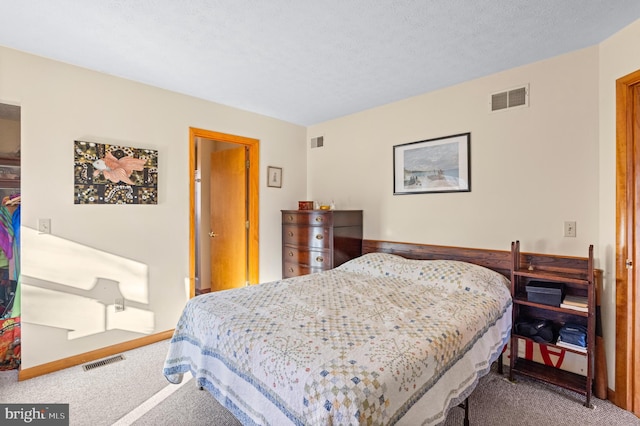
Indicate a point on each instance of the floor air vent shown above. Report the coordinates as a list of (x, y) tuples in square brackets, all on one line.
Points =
[(103, 362), (512, 98)]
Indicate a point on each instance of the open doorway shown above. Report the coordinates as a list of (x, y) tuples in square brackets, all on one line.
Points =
[(10, 317), (223, 223)]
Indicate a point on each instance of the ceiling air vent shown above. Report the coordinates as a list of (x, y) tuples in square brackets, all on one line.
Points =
[(512, 98), (317, 142)]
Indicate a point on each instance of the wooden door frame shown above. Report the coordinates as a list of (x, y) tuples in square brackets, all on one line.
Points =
[(627, 374), (253, 195)]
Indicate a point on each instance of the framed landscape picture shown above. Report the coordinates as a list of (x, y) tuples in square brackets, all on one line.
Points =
[(433, 165)]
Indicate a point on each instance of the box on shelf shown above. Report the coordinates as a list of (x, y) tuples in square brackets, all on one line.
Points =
[(546, 293)]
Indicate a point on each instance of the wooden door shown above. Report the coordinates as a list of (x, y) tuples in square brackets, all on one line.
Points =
[(627, 371), (228, 219), (253, 149)]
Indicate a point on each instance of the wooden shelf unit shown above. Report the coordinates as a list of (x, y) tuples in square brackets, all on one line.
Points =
[(577, 275)]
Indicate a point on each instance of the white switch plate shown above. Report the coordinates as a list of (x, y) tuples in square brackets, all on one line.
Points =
[(569, 229), (44, 226), (119, 304)]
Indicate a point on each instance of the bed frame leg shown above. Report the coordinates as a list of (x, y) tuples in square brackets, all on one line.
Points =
[(465, 405), (466, 412)]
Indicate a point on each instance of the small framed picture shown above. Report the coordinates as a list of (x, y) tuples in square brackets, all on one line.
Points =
[(274, 177)]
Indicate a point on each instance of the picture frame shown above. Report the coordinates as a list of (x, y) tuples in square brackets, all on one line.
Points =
[(274, 177), (106, 173), (433, 165)]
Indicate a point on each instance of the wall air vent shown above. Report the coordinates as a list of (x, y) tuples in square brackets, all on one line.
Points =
[(317, 142), (513, 98)]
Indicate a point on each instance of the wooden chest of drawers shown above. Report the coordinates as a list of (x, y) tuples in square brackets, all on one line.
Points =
[(318, 240)]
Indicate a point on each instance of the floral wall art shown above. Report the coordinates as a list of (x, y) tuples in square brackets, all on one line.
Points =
[(114, 174)]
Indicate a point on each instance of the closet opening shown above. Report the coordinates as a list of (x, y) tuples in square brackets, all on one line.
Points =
[(9, 237)]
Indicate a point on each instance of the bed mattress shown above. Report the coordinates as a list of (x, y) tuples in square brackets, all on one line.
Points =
[(378, 340)]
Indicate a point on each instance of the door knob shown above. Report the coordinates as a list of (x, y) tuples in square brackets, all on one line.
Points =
[(213, 234)]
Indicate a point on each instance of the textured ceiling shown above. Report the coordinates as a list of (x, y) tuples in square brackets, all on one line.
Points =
[(307, 61)]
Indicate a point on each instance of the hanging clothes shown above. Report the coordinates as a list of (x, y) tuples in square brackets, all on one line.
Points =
[(10, 233), (15, 221), (6, 232), (10, 321), (10, 344)]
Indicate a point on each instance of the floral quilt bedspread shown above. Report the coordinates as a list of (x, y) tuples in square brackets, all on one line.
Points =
[(378, 340)]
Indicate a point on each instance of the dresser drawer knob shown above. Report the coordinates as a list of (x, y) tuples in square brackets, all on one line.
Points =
[(290, 269), (290, 253), (291, 233), (319, 219), (290, 218), (319, 237), (319, 259)]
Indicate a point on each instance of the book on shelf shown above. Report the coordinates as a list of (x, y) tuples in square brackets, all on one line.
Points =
[(579, 301), (575, 300), (574, 307), (571, 346)]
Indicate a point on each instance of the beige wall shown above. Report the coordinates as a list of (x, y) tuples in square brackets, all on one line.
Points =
[(144, 248), (532, 168)]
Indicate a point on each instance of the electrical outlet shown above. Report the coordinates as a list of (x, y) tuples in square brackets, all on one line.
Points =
[(569, 229), (44, 226), (119, 304)]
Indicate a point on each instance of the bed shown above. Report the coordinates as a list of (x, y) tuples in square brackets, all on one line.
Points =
[(381, 339)]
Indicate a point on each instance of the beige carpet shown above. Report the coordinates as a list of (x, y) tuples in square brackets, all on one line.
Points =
[(134, 391)]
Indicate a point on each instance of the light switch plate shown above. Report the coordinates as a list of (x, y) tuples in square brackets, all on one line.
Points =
[(569, 229), (44, 226)]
